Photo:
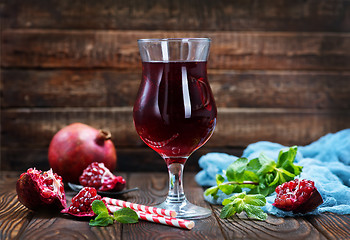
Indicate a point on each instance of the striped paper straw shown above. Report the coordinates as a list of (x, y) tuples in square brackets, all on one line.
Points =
[(139, 207), (174, 222)]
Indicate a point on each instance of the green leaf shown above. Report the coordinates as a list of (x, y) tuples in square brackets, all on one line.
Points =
[(256, 200), (226, 201), (211, 191), (253, 165), (227, 189), (250, 176), (289, 174), (286, 156), (102, 220), (239, 165), (286, 159), (227, 211), (238, 195), (236, 169), (276, 180), (263, 159), (99, 207), (255, 212), (240, 205), (126, 215), (219, 179), (267, 164)]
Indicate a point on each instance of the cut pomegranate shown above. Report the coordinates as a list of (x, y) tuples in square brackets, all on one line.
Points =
[(96, 175), (81, 203), (37, 191), (299, 196)]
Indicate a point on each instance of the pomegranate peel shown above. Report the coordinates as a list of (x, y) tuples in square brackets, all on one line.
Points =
[(36, 190), (76, 146), (299, 196)]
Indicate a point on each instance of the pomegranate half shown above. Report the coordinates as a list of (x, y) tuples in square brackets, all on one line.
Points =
[(78, 145), (41, 191)]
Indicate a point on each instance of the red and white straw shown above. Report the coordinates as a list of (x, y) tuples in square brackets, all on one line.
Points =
[(175, 222), (139, 207)]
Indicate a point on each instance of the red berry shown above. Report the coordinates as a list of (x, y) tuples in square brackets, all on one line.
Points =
[(96, 175), (299, 196)]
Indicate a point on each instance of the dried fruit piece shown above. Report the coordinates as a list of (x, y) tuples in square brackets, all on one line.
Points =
[(37, 191), (96, 175), (299, 196), (81, 203)]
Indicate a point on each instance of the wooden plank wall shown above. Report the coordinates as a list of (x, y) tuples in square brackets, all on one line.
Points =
[(279, 70)]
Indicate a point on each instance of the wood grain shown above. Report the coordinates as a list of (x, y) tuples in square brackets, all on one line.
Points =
[(16, 222), (195, 15), (14, 217), (111, 88), (331, 225), (230, 50), (154, 187), (241, 227), (34, 128)]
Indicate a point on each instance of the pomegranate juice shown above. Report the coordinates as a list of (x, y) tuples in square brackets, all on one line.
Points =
[(175, 111)]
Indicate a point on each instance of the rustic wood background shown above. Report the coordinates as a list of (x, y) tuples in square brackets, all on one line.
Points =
[(279, 70)]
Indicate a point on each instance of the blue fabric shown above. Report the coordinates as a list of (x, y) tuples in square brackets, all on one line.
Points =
[(325, 161)]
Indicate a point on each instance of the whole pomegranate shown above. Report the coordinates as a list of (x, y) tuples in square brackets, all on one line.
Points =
[(37, 191), (81, 203), (299, 196), (96, 175), (76, 146)]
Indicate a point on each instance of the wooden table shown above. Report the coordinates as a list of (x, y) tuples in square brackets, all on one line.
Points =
[(17, 222)]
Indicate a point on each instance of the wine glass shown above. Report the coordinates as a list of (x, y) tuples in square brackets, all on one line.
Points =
[(175, 112)]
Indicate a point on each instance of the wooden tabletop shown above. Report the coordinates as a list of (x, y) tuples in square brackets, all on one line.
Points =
[(17, 222)]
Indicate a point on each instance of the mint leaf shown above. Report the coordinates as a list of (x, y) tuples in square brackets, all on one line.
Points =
[(227, 211), (286, 156), (236, 169), (286, 161), (256, 200), (102, 220), (99, 207), (250, 176), (267, 164), (255, 212), (126, 215), (227, 189), (219, 179), (211, 191), (244, 202)]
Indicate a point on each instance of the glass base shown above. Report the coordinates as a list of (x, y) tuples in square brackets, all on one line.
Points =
[(185, 209)]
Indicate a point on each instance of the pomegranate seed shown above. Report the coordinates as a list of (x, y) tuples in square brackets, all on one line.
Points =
[(96, 175), (81, 203)]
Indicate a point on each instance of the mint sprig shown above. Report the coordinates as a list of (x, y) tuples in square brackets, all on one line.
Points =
[(103, 218), (243, 202), (259, 177)]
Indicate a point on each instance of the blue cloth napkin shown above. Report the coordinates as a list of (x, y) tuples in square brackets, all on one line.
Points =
[(325, 161)]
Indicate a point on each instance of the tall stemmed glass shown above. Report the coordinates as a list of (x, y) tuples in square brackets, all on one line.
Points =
[(175, 112)]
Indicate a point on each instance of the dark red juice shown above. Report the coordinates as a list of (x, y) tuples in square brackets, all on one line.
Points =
[(175, 112)]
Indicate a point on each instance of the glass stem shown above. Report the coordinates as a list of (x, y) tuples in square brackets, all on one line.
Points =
[(176, 193)]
